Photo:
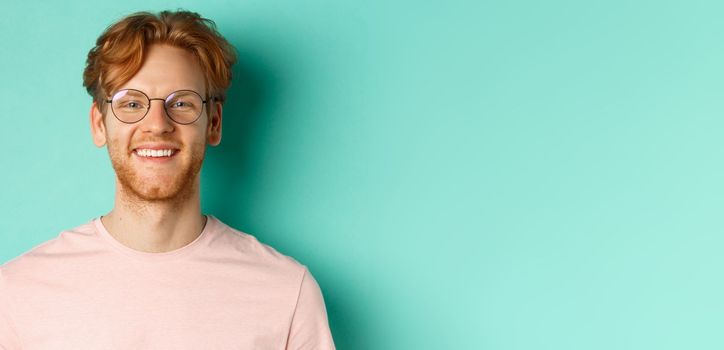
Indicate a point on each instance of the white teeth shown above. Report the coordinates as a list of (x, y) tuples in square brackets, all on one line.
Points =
[(154, 153)]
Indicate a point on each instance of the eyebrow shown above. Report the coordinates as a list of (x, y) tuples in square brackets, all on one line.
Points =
[(203, 95)]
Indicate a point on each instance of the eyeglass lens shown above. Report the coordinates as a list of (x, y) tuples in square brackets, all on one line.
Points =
[(130, 106)]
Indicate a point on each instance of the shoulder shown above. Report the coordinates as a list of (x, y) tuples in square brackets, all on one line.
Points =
[(66, 244), (245, 247)]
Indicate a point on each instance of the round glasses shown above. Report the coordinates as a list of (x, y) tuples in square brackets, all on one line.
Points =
[(130, 105)]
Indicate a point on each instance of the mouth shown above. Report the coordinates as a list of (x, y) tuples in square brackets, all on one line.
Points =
[(155, 155)]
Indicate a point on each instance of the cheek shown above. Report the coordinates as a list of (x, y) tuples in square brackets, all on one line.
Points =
[(116, 142), (113, 140), (198, 136)]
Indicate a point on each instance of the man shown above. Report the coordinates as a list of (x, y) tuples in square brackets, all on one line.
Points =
[(154, 273)]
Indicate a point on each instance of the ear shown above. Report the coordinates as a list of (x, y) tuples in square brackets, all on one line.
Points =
[(98, 126), (213, 132)]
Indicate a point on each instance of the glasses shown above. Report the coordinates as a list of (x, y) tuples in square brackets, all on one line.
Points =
[(130, 106)]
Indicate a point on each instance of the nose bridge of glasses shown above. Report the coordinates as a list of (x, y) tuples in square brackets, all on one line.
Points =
[(163, 102), (162, 109), (153, 99)]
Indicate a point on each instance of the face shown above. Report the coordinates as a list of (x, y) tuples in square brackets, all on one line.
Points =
[(159, 179)]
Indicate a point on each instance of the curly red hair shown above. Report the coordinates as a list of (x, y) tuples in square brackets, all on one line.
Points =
[(119, 51)]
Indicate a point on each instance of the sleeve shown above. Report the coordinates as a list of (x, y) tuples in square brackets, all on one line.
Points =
[(309, 328), (8, 336)]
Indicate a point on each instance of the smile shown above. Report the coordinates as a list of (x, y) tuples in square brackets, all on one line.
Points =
[(153, 153)]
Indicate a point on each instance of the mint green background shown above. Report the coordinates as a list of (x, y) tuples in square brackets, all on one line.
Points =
[(466, 175)]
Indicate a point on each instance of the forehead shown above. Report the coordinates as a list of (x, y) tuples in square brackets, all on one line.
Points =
[(166, 69)]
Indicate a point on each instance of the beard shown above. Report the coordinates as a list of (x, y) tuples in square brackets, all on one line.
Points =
[(175, 185)]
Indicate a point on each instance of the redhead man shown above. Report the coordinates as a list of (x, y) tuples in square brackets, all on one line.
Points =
[(154, 272)]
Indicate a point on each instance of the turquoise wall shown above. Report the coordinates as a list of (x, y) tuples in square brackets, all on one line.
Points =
[(459, 175)]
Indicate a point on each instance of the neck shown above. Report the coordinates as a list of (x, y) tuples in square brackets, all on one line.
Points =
[(155, 226)]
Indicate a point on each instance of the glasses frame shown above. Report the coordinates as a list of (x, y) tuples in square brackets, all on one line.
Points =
[(148, 108)]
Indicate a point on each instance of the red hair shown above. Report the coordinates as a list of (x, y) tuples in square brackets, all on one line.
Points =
[(119, 52)]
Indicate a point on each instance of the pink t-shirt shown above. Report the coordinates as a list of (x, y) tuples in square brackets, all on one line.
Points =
[(225, 290)]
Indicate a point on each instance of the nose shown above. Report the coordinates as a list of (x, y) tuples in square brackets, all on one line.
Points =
[(157, 121)]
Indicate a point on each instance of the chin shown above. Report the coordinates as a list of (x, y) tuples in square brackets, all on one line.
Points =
[(158, 193)]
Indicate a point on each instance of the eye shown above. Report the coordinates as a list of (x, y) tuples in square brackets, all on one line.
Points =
[(131, 105), (181, 104)]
